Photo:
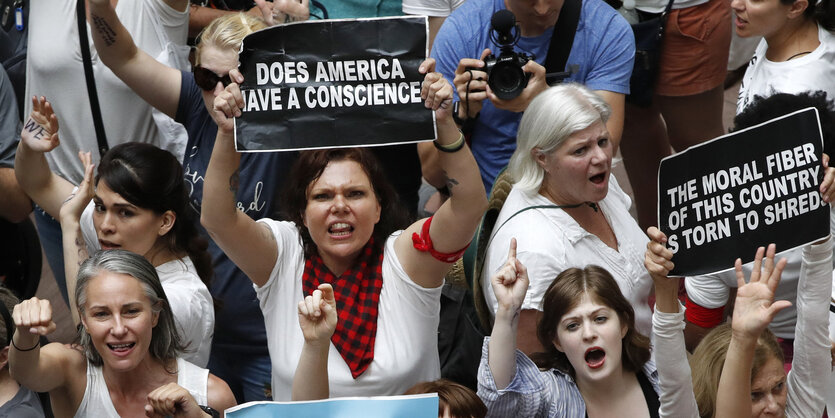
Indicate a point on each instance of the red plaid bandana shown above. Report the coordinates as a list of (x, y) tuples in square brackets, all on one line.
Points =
[(357, 293)]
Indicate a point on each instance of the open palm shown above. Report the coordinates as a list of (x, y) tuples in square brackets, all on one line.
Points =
[(755, 306)]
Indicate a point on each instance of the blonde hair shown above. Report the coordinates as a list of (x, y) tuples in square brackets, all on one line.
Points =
[(709, 358), (552, 117), (227, 32)]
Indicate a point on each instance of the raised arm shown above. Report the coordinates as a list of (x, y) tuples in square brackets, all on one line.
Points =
[(753, 311), (248, 244), (808, 380), (317, 318), (40, 135), (41, 369), (674, 377), (273, 12), (75, 249), (157, 84), (454, 223), (510, 284)]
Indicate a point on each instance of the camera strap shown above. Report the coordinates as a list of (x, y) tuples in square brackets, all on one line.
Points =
[(98, 124), (561, 41)]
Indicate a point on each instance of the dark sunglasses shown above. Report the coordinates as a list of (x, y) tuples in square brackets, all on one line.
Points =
[(207, 79)]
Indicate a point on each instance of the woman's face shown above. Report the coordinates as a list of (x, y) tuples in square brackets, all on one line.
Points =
[(341, 212), (759, 17), (591, 336), (120, 224), (119, 319), (768, 390), (578, 170), (219, 61)]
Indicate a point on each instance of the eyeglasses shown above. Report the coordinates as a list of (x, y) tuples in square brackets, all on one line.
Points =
[(207, 79)]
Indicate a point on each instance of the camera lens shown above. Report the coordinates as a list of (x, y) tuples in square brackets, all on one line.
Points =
[(507, 80)]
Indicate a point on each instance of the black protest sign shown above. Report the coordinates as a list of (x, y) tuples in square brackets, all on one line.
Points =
[(333, 83), (720, 200)]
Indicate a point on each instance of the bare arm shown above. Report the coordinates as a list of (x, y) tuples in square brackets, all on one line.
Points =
[(317, 318), (219, 395), (41, 369), (248, 244), (16, 205), (157, 84), (616, 101), (455, 221), (40, 135), (75, 249)]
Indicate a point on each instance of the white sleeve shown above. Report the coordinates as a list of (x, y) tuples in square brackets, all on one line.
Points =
[(674, 379), (708, 290), (88, 229), (809, 376), (433, 8)]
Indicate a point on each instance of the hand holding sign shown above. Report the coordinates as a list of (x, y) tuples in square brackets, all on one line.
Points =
[(436, 91), (755, 306), (228, 104), (762, 184)]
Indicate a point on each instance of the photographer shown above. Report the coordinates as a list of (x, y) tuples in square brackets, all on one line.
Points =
[(601, 58)]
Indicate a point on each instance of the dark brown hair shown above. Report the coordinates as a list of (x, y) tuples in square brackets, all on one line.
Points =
[(152, 178), (307, 169), (564, 293), (462, 402)]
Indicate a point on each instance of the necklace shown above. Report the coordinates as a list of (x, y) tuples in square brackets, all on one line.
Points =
[(798, 54)]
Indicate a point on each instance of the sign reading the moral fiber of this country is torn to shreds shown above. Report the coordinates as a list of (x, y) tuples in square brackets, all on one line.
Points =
[(405, 406), (720, 200), (334, 83)]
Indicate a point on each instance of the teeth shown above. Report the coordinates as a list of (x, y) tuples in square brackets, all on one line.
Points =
[(118, 346)]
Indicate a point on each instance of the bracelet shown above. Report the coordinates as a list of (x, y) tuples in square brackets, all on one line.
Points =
[(37, 344), (209, 410), (453, 147), (467, 124)]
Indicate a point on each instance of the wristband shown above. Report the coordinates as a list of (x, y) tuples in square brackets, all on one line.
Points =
[(453, 147), (209, 410), (467, 124), (37, 344)]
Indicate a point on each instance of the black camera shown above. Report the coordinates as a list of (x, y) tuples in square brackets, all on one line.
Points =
[(504, 73)]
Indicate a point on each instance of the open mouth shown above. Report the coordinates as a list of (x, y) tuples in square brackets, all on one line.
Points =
[(340, 229), (107, 245), (598, 178), (121, 348), (595, 357)]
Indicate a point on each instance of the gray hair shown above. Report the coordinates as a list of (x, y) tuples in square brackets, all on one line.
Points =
[(165, 340), (552, 117)]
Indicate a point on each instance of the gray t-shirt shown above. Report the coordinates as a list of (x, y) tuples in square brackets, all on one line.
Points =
[(9, 127), (25, 404)]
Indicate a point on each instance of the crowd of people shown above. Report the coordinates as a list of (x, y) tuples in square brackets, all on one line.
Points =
[(199, 278)]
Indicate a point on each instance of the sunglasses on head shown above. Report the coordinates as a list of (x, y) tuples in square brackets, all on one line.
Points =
[(207, 79)]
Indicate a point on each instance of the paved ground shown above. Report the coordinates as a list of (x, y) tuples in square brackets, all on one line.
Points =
[(48, 289)]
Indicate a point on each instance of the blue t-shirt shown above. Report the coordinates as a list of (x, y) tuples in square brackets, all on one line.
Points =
[(239, 323), (602, 53)]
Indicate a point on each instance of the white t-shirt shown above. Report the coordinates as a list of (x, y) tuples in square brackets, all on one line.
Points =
[(406, 345), (191, 302), (550, 241), (810, 72), (658, 6), (433, 8), (97, 402), (55, 69)]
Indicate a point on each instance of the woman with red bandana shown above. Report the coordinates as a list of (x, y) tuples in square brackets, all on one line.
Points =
[(345, 230)]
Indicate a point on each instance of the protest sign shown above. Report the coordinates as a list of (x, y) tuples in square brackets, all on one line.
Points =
[(720, 200), (333, 83), (406, 406)]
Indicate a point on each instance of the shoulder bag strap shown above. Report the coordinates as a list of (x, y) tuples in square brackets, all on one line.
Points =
[(562, 40), (91, 81)]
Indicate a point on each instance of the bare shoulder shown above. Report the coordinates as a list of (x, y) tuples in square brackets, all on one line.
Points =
[(219, 395)]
